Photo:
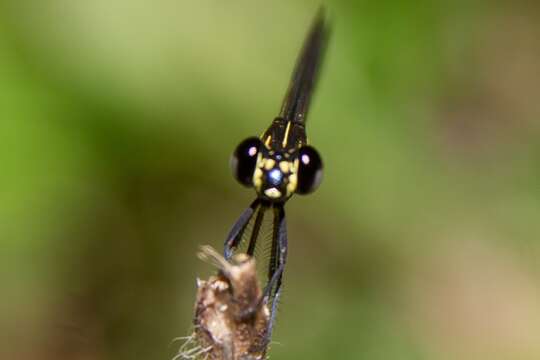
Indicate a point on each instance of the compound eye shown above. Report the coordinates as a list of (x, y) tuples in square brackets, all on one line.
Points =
[(309, 170), (244, 159)]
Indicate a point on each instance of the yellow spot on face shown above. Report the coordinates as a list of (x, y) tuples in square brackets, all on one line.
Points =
[(295, 165), (272, 193), (269, 164), (258, 173), (257, 178), (286, 137), (293, 181), (284, 166), (260, 161)]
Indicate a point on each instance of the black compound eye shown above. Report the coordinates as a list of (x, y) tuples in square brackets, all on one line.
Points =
[(244, 159), (309, 170)]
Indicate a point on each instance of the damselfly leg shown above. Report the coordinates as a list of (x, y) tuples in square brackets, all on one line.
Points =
[(278, 253), (235, 235)]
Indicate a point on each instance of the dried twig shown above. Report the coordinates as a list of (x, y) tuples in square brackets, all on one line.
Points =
[(230, 324)]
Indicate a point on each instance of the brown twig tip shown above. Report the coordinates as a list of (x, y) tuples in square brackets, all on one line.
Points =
[(222, 329)]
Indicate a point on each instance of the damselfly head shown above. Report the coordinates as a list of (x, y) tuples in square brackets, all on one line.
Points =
[(276, 175)]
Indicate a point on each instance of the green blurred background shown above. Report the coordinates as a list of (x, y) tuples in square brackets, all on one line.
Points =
[(117, 120)]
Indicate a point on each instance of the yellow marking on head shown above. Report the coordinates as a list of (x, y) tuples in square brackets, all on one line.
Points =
[(272, 193), (286, 137), (257, 178), (258, 173), (284, 166), (293, 182), (269, 164)]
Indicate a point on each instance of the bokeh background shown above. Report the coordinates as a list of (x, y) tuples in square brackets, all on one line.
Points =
[(117, 120)]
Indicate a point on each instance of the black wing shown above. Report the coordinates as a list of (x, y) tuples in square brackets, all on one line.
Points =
[(296, 102)]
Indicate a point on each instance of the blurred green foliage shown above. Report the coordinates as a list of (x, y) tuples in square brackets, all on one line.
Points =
[(117, 119)]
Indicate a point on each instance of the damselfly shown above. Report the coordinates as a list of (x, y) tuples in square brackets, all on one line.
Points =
[(278, 165)]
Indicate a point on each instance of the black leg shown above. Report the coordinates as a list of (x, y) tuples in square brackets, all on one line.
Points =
[(235, 235), (256, 228), (273, 313), (279, 251), (272, 264), (279, 257), (277, 264)]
